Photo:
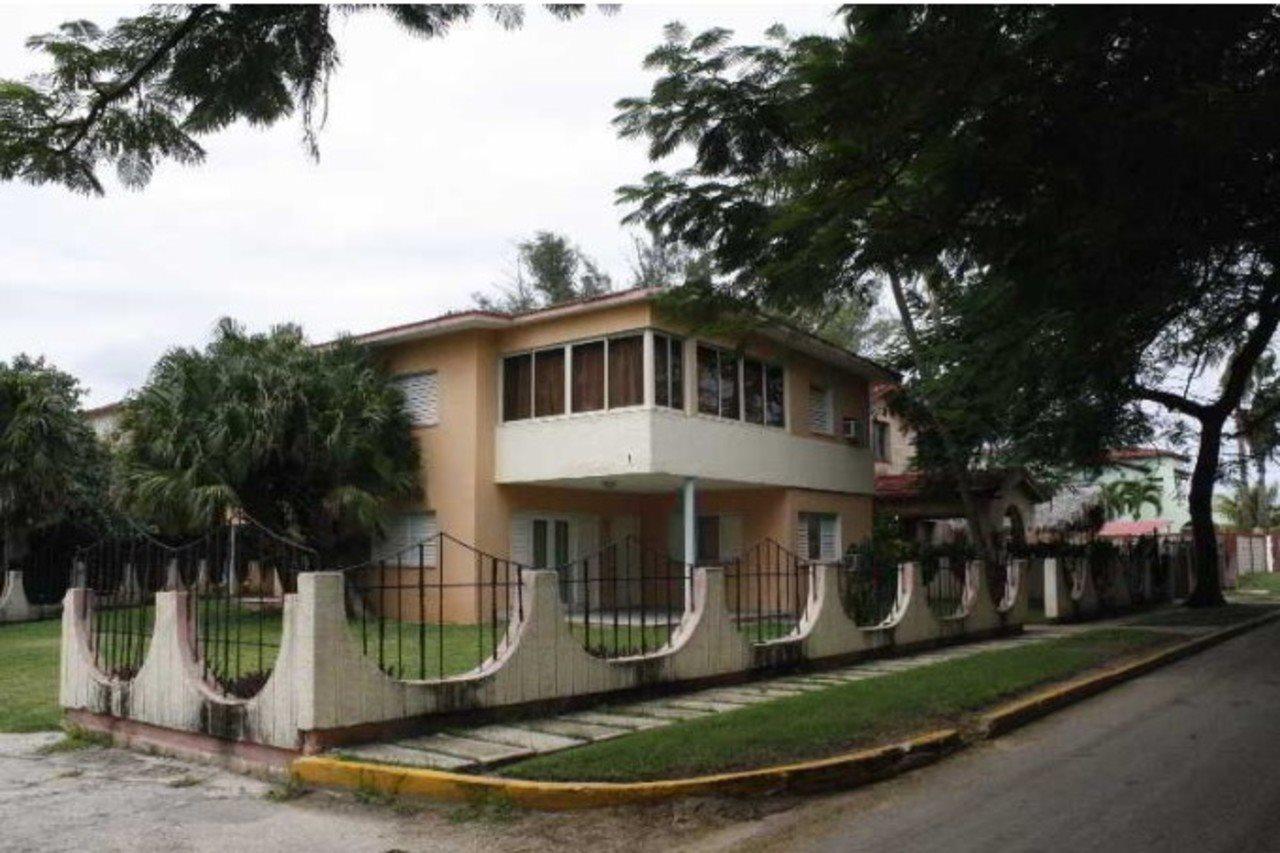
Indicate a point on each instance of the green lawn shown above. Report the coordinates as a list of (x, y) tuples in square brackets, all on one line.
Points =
[(831, 721), (29, 676), (1268, 582)]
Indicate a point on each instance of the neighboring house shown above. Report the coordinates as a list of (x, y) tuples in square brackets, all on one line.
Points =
[(931, 508), (548, 434), (105, 420), (1165, 468)]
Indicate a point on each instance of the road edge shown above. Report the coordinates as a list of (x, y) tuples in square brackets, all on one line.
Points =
[(841, 772)]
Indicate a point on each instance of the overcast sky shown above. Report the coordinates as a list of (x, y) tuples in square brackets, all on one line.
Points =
[(437, 156)]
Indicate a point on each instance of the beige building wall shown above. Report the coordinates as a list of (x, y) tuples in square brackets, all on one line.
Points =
[(458, 456)]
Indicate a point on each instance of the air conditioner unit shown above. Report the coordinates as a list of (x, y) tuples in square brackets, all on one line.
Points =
[(855, 430)]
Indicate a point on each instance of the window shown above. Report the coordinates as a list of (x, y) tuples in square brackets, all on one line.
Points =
[(550, 543), (880, 440), (548, 382), (668, 371), (588, 377), (517, 387), (718, 383), (626, 371), (821, 416), (409, 540), (775, 410), (708, 540), (818, 536), (762, 393), (421, 393)]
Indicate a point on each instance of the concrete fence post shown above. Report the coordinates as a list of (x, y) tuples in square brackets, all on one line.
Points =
[(14, 605), (1057, 592)]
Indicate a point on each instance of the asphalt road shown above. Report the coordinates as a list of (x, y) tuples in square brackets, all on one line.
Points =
[(1186, 758)]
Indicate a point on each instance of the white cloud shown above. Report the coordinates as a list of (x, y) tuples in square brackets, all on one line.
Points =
[(437, 156)]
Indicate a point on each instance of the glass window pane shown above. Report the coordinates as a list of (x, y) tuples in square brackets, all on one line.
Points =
[(562, 543), (548, 382), (588, 377), (517, 390), (729, 393), (626, 371), (753, 390), (677, 374), (708, 381), (539, 544), (708, 542), (661, 370), (775, 411)]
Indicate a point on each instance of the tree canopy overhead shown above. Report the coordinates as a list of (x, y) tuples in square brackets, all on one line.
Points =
[(144, 90), (1075, 201), (311, 441)]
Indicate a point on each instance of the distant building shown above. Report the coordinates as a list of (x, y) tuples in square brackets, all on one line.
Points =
[(930, 508)]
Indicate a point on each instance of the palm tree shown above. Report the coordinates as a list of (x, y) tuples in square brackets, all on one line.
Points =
[(48, 452), (311, 441), (1130, 496), (1251, 507)]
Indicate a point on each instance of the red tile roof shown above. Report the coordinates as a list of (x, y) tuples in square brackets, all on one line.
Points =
[(1129, 454), (1135, 528)]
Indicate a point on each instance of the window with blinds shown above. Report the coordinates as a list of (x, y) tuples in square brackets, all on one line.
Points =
[(818, 536), (821, 410), (411, 539), (421, 393)]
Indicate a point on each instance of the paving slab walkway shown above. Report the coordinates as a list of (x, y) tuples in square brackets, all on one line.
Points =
[(484, 746)]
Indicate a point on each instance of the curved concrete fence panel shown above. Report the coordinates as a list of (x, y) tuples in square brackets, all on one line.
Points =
[(324, 691)]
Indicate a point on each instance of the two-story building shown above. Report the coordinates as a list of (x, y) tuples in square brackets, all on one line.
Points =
[(547, 434)]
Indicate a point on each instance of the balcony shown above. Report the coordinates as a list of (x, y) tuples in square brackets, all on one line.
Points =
[(644, 447)]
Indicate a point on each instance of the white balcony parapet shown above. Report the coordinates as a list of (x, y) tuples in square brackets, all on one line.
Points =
[(645, 441)]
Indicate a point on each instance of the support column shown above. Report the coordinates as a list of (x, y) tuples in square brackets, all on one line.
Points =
[(688, 497)]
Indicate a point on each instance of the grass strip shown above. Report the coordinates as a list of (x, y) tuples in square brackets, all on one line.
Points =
[(29, 676), (828, 722)]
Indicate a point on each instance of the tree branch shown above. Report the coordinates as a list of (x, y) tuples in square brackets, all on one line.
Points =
[(130, 83), (1170, 400)]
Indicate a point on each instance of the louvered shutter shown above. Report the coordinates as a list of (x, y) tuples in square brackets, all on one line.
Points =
[(820, 419), (421, 397), (404, 533), (802, 537), (522, 539), (830, 548)]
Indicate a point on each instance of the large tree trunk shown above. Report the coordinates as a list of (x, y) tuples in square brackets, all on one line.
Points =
[(1208, 591), (956, 462)]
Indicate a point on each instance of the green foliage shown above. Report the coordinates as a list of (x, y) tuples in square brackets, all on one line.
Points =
[(142, 91), (1078, 203), (310, 441), (659, 262), (1121, 497), (550, 270), (1250, 507), (52, 469)]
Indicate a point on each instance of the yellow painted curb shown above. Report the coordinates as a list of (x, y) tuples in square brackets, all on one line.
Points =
[(838, 772), (842, 771), (1019, 712)]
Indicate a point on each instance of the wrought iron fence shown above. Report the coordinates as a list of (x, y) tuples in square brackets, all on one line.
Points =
[(433, 609), (46, 573), (943, 577), (238, 577), (768, 589), (625, 599), (124, 574), (869, 587)]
